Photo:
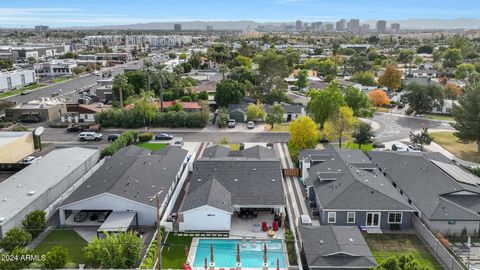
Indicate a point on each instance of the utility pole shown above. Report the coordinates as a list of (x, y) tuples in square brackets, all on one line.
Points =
[(159, 237)]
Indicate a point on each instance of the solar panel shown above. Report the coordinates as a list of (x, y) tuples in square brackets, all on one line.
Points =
[(457, 173)]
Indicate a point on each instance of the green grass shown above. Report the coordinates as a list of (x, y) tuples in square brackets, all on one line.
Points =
[(442, 117), (384, 246), (448, 140), (234, 146), (278, 127), (152, 146), (293, 151), (173, 253), (18, 91), (364, 148), (67, 238)]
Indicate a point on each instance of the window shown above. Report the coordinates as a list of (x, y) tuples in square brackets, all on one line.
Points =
[(332, 217), (350, 217), (451, 222), (395, 218)]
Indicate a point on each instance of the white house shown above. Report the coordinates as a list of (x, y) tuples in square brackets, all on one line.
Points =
[(16, 79), (446, 108)]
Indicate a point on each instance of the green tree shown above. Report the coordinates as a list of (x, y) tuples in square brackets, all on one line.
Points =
[(303, 132), (222, 118), (422, 138), (121, 88), (271, 65), (358, 101), (462, 43), (302, 79), (5, 64), (160, 79), (359, 63), (437, 56), (56, 258), (391, 78), (323, 67), (244, 61), (340, 126), (364, 78), (219, 53), (428, 49), (114, 251), (406, 57), (363, 134), (324, 103), (17, 264), (423, 98), (403, 262), (172, 55), (275, 115), (452, 57), (229, 92), (34, 222), (255, 112), (15, 238), (467, 114), (182, 56), (464, 70), (78, 70)]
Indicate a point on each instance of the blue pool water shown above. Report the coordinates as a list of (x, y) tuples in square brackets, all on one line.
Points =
[(225, 253)]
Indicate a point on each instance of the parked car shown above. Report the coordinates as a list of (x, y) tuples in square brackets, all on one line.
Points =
[(76, 128), (80, 216), (29, 160), (23, 93), (102, 217), (163, 137), (231, 123), (250, 125), (398, 148), (112, 137), (413, 148), (178, 142), (90, 136)]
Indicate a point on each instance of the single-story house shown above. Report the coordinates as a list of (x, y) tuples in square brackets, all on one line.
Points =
[(224, 183), (291, 111), (424, 73), (188, 106), (446, 107), (86, 112), (237, 112), (346, 188), (335, 247), (128, 181), (446, 196)]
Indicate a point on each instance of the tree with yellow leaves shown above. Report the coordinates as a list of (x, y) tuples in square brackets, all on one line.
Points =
[(379, 98), (303, 132), (391, 78), (341, 125)]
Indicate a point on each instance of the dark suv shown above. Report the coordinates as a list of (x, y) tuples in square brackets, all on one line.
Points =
[(76, 128)]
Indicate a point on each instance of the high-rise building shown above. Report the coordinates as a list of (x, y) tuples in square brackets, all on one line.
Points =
[(41, 28), (328, 27), (381, 26), (395, 27), (353, 25), (177, 27), (209, 28), (341, 25), (365, 28), (298, 25)]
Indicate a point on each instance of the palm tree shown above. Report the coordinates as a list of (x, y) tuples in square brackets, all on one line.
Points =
[(160, 79), (147, 66), (335, 55), (178, 70)]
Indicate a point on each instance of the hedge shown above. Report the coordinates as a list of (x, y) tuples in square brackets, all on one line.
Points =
[(123, 140), (145, 137)]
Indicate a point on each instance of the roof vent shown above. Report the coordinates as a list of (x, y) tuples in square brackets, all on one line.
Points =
[(321, 242), (235, 180), (4, 199), (339, 170), (254, 169), (214, 169), (350, 239), (31, 192), (19, 185), (199, 180), (2, 219), (88, 186), (153, 186), (273, 180)]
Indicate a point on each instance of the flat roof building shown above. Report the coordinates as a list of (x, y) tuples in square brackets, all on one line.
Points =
[(15, 145), (39, 185)]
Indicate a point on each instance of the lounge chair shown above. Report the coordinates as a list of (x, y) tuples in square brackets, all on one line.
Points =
[(275, 226), (264, 226)]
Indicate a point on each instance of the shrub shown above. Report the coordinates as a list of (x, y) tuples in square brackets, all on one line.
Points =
[(290, 243), (20, 128), (15, 238), (123, 140), (145, 137), (34, 222), (56, 124), (56, 258)]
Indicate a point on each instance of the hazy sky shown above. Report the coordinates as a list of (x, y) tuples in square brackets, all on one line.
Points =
[(59, 13)]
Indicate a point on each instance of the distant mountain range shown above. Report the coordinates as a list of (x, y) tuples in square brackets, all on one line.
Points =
[(459, 23)]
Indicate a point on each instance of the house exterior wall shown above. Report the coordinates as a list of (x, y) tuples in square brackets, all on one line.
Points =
[(361, 219), (455, 228), (146, 214), (237, 116), (17, 149), (205, 218)]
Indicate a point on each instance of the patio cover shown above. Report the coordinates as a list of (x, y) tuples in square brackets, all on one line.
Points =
[(118, 221)]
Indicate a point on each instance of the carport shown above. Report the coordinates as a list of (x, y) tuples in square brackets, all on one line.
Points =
[(118, 221)]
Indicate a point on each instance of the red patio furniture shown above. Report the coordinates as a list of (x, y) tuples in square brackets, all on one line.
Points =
[(275, 226), (187, 266), (264, 226)]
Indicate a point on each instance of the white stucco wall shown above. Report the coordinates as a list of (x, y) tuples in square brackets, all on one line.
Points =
[(205, 218)]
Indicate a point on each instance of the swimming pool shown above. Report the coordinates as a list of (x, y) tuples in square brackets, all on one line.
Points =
[(225, 253)]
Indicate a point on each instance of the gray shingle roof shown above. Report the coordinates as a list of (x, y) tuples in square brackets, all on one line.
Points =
[(133, 173), (335, 246), (340, 185), (428, 186), (250, 182), (210, 193), (216, 151), (255, 152)]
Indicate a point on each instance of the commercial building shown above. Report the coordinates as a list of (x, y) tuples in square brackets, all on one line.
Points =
[(353, 25), (114, 57), (42, 52), (298, 25), (14, 146), (129, 181), (39, 185), (381, 26), (16, 79), (395, 27), (45, 109), (329, 27), (56, 68), (341, 25), (41, 28), (365, 28), (109, 40), (177, 27)]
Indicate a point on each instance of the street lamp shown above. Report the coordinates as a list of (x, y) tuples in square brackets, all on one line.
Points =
[(159, 237)]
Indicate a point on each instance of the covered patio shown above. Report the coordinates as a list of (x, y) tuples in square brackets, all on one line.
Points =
[(118, 221), (259, 223)]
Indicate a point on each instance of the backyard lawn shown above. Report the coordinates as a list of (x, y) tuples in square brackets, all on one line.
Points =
[(67, 238), (465, 151), (364, 147), (151, 146), (384, 246), (173, 254)]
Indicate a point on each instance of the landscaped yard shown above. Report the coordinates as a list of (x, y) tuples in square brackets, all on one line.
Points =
[(384, 246), (443, 117), (364, 147), (465, 151), (173, 253), (151, 146), (67, 238), (278, 127), (234, 146)]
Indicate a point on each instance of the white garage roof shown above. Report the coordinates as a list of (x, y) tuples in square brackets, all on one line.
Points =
[(118, 221)]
